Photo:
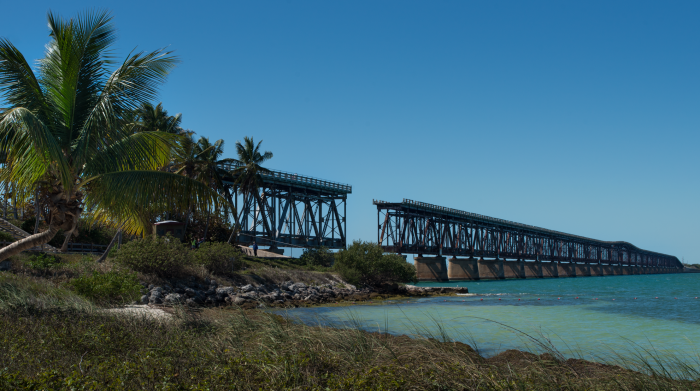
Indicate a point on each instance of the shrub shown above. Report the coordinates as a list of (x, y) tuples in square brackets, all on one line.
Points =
[(162, 256), (218, 258), (320, 256), (366, 263), (108, 288), (28, 225), (43, 261), (6, 237)]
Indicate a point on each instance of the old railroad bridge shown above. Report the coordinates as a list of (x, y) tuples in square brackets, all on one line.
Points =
[(290, 210), (496, 249)]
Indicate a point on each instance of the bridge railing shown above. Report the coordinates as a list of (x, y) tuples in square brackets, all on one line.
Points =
[(295, 178), (82, 248)]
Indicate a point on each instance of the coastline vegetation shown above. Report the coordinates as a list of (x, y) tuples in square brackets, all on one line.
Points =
[(53, 339)]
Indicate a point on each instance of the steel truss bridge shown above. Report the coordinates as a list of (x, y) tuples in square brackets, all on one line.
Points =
[(290, 210), (412, 227)]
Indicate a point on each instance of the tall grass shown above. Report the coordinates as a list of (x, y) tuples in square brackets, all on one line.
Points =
[(53, 340)]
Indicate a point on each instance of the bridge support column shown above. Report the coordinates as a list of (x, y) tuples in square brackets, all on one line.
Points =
[(491, 269), (430, 268), (513, 269), (462, 269), (583, 269), (566, 269), (550, 270), (533, 269)]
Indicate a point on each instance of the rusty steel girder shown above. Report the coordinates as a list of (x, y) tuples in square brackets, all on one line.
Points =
[(411, 227)]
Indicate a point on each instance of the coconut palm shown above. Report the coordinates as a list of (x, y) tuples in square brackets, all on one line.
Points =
[(149, 118), (201, 160), (65, 131), (248, 173)]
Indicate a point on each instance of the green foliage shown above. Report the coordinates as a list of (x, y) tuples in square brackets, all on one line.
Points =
[(93, 351), (58, 240), (44, 261), (96, 235), (218, 258), (22, 294), (164, 256), (5, 237), (320, 256), (108, 288), (366, 263), (28, 225)]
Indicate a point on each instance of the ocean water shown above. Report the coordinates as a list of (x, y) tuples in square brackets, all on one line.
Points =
[(589, 317)]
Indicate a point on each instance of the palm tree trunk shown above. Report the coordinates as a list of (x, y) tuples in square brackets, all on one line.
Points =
[(14, 200), (187, 221), (36, 211), (28, 242), (206, 227), (64, 248), (111, 244)]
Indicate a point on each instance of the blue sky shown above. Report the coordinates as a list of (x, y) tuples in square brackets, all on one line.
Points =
[(577, 116)]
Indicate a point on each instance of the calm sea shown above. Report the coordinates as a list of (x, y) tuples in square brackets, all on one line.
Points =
[(591, 317)]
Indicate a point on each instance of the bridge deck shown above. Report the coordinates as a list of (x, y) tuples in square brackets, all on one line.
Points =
[(277, 177)]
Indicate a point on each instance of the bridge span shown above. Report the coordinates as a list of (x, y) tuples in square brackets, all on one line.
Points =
[(493, 248), (289, 210)]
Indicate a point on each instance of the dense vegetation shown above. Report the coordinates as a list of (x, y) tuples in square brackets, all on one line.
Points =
[(53, 340), (366, 263)]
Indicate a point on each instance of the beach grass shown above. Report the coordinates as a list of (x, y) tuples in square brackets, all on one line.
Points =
[(53, 339)]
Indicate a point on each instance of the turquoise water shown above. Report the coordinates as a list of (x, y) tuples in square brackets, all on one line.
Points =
[(589, 317)]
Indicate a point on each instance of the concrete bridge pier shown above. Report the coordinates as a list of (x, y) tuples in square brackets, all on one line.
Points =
[(462, 269), (491, 269), (430, 268), (583, 270), (533, 269)]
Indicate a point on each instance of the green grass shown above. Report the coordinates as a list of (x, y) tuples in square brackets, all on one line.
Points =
[(50, 342)]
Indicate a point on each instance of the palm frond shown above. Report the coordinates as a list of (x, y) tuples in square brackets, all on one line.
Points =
[(139, 151), (20, 87), (73, 69), (31, 148), (133, 83), (123, 195)]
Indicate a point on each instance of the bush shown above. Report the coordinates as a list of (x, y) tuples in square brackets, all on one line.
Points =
[(28, 225), (6, 237), (43, 261), (162, 256), (320, 256), (108, 288), (218, 258), (366, 263)]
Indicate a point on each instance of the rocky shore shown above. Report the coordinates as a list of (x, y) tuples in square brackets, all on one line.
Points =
[(287, 294)]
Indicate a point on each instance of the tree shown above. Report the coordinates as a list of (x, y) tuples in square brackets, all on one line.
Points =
[(366, 263), (149, 118), (209, 170), (248, 173), (200, 160), (65, 130)]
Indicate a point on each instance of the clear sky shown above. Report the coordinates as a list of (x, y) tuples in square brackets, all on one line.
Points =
[(581, 116)]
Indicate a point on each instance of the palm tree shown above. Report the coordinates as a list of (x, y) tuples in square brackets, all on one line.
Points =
[(248, 173), (149, 118), (201, 160), (65, 131)]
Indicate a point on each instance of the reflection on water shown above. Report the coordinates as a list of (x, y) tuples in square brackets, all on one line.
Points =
[(588, 316)]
